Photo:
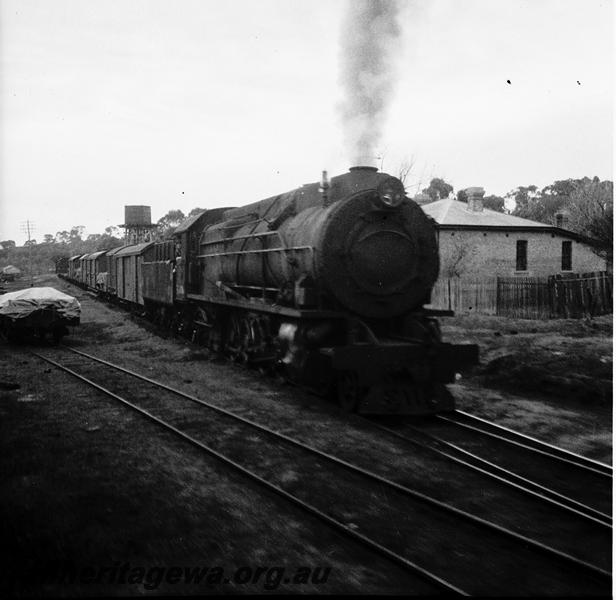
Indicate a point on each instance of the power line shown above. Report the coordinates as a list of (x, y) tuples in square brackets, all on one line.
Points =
[(28, 227)]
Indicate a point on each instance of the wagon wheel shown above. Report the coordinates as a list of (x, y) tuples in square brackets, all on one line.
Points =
[(348, 391), (237, 338), (175, 323), (201, 325)]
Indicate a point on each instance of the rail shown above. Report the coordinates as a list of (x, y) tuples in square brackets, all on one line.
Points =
[(526, 541)]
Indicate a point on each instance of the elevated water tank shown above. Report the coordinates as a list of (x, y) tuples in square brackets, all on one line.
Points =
[(137, 215)]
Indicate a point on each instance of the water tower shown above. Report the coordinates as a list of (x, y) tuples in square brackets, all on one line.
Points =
[(138, 226)]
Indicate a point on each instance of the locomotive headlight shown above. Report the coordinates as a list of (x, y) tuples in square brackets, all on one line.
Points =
[(391, 192), (392, 199)]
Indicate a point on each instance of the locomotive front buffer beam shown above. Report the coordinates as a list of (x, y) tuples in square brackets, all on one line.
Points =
[(398, 378)]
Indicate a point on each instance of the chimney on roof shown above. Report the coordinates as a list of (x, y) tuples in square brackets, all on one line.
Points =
[(474, 197), (562, 219)]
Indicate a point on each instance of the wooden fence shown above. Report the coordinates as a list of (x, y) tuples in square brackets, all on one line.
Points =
[(465, 295), (588, 294), (558, 296), (523, 297)]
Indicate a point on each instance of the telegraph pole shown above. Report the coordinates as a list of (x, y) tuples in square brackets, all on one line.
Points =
[(28, 227)]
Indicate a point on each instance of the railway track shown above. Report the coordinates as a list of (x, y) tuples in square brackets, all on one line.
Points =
[(450, 549), (521, 440), (564, 479)]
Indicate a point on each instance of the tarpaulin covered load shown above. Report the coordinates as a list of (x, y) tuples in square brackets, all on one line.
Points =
[(11, 270), (21, 304)]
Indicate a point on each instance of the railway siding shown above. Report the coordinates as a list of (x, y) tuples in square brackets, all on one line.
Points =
[(378, 512)]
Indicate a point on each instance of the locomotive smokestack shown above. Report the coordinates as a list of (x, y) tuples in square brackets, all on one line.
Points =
[(369, 44), (324, 181), (365, 161), (363, 168), (324, 187)]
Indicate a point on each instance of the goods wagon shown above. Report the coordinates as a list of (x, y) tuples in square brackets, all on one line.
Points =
[(128, 260)]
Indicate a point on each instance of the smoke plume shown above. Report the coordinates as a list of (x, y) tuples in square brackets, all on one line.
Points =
[(370, 41)]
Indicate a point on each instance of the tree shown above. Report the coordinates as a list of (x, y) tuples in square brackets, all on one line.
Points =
[(48, 238), (405, 168), (167, 224), (195, 211), (524, 197), (496, 203), (455, 256), (63, 237), (76, 233), (113, 231), (108, 240), (591, 213), (542, 206), (438, 189)]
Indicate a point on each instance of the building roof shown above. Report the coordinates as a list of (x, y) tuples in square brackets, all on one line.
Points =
[(95, 255), (454, 212), (115, 250), (136, 249)]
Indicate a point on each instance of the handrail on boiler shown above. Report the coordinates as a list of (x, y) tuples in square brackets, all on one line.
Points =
[(239, 237), (263, 251)]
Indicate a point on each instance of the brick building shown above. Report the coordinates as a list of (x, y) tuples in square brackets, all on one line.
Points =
[(477, 242)]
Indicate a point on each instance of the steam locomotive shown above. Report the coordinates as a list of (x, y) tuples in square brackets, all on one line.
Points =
[(327, 282)]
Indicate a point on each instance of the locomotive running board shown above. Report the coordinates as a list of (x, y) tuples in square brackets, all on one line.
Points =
[(268, 308)]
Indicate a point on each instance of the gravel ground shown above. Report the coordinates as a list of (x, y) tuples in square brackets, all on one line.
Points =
[(549, 379), (86, 482)]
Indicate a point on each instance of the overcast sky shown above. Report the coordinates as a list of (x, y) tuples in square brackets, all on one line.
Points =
[(186, 103)]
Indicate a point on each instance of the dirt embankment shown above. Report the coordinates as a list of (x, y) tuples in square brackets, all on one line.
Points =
[(551, 379)]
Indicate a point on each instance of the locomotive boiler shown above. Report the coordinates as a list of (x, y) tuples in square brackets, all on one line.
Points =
[(327, 281), (355, 245)]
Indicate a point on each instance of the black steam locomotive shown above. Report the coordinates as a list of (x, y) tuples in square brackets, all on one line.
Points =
[(327, 282)]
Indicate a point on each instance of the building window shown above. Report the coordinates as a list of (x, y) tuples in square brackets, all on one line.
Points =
[(567, 256), (521, 251)]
